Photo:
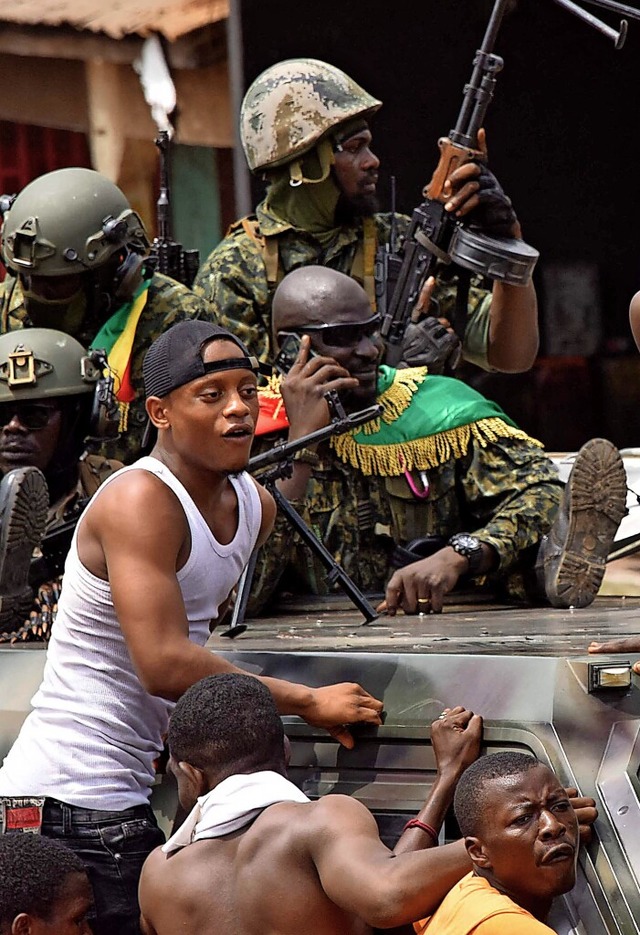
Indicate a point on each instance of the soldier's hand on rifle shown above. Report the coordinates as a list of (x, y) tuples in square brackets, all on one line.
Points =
[(473, 192), (305, 386), (431, 343)]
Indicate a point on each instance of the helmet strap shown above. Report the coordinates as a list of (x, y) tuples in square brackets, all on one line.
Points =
[(324, 153)]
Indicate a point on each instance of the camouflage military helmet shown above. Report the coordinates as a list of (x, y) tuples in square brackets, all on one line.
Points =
[(69, 221), (292, 105), (40, 363)]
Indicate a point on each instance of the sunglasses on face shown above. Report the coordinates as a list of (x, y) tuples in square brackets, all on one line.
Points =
[(32, 416), (345, 335)]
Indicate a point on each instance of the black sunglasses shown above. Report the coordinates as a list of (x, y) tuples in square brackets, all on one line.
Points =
[(344, 335), (32, 416)]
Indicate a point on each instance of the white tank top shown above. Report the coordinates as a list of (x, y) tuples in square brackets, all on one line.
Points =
[(94, 732)]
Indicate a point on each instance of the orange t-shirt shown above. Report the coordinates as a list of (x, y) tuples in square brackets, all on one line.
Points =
[(474, 906)]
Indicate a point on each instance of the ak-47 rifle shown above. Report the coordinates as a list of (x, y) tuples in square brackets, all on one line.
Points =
[(435, 236), (167, 256)]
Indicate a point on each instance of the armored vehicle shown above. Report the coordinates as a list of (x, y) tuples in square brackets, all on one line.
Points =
[(525, 670)]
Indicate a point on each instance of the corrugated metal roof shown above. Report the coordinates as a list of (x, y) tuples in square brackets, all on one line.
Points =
[(170, 18)]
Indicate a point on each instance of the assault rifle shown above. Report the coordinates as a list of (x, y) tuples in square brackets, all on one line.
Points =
[(435, 236), (275, 464), (167, 256)]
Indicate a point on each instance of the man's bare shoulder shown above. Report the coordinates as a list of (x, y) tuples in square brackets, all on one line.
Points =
[(135, 508), (131, 494), (331, 814), (183, 878)]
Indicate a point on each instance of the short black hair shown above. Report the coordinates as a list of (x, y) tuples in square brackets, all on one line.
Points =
[(33, 874), (227, 720), (470, 794)]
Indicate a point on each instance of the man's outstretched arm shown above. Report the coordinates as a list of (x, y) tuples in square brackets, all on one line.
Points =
[(628, 644), (363, 877), (455, 736), (142, 561)]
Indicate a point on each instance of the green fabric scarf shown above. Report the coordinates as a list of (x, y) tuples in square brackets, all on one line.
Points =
[(309, 207), (426, 420)]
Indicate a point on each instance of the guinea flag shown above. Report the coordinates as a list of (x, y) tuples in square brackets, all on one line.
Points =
[(116, 338)]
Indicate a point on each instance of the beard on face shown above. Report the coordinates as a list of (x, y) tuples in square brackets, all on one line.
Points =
[(361, 205)]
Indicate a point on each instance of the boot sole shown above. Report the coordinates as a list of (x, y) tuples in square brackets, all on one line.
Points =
[(597, 503), (24, 508)]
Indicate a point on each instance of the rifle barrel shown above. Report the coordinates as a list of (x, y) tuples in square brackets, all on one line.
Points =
[(288, 449), (613, 34), (620, 8)]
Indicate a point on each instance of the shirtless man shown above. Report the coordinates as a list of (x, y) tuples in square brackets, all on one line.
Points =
[(238, 865), (153, 561)]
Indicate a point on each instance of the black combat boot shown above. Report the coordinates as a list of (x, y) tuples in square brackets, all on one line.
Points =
[(572, 556), (24, 502)]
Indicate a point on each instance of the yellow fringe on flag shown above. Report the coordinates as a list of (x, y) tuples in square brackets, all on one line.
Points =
[(422, 453), (397, 397)]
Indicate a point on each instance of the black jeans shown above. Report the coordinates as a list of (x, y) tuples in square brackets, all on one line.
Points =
[(113, 846)]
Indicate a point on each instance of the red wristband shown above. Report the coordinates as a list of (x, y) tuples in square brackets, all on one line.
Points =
[(416, 823)]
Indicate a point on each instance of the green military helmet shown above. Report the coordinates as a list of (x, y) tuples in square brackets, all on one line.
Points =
[(292, 105), (40, 363), (69, 221)]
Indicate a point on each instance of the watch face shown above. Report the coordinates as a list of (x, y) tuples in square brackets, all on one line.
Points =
[(464, 541)]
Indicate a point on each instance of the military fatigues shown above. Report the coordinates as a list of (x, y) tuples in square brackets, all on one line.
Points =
[(92, 471), (506, 493), (234, 279), (168, 302)]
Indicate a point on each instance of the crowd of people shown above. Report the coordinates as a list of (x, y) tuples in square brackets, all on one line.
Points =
[(129, 405)]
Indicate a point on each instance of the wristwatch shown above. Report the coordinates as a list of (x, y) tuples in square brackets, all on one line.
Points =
[(466, 544)]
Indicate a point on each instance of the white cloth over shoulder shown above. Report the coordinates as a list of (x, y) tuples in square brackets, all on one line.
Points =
[(231, 805)]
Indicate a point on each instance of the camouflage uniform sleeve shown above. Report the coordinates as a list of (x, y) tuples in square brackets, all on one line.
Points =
[(512, 489), (12, 311), (233, 283)]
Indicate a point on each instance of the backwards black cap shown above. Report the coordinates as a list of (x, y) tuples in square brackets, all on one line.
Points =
[(175, 358)]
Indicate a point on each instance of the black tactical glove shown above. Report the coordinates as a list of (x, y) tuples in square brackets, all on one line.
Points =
[(427, 343), (494, 215)]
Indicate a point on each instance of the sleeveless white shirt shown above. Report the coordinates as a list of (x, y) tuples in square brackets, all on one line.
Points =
[(94, 732)]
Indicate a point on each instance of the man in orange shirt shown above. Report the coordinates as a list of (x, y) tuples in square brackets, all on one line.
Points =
[(521, 834)]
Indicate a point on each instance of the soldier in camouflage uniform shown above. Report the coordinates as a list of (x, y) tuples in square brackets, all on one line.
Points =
[(304, 127), (52, 405), (76, 252), (440, 462)]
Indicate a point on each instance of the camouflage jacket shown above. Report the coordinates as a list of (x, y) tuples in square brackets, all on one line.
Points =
[(93, 470), (234, 282), (168, 302), (506, 492)]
